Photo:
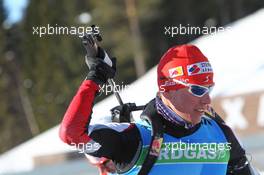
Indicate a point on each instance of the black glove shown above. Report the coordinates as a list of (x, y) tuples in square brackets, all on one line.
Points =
[(122, 113), (99, 71)]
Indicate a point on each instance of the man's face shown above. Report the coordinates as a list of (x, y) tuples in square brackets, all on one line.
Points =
[(185, 104)]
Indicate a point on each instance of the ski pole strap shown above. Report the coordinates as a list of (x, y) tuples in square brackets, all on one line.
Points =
[(156, 140)]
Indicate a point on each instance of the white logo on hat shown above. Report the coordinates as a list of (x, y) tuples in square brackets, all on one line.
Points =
[(199, 68)]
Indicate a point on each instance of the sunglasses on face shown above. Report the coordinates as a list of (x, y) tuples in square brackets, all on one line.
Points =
[(195, 89)]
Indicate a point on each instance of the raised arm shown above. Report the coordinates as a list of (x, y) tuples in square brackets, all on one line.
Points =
[(73, 129)]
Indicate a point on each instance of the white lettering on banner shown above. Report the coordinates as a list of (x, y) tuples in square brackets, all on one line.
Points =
[(191, 154), (260, 117), (165, 154), (212, 154), (202, 154), (176, 154), (234, 116)]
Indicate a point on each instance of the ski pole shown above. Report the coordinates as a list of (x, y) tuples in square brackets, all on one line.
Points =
[(92, 40)]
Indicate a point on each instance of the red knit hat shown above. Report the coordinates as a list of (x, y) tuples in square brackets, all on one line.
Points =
[(185, 63)]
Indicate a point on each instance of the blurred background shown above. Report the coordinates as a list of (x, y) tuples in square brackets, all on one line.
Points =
[(40, 75)]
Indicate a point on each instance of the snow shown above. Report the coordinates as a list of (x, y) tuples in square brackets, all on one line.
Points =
[(236, 56)]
